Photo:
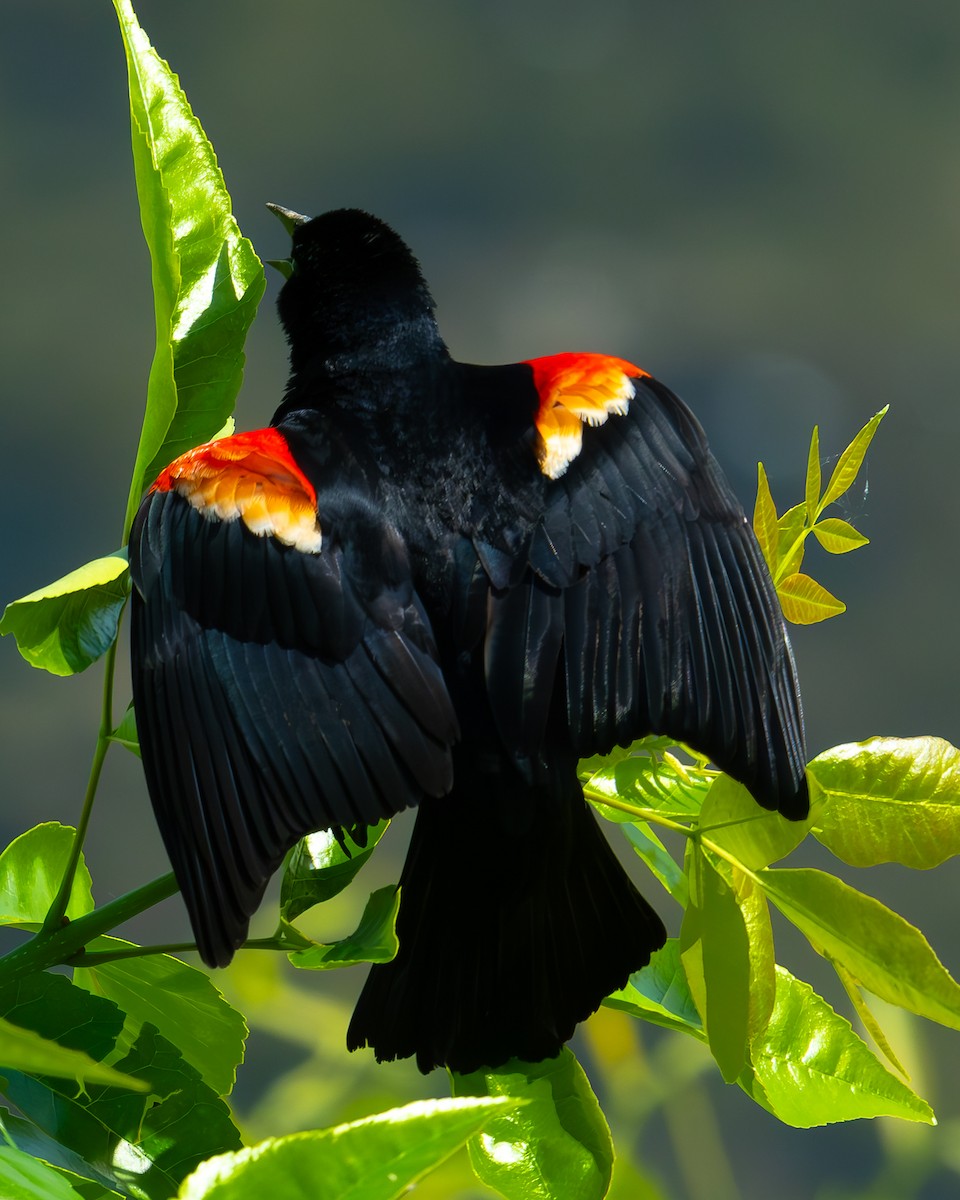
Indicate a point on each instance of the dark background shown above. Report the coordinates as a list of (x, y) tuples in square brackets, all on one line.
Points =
[(758, 203)]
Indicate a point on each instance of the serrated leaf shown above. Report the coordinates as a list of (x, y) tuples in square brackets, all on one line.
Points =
[(126, 734), (804, 601), (320, 866), (881, 950), (31, 870), (810, 1068), (659, 993), (377, 1158), (812, 483), (838, 536), (888, 800), (851, 460), (555, 1146), (67, 625), (374, 939), (25, 1050), (765, 519), (207, 279), (178, 1000), (23, 1178)]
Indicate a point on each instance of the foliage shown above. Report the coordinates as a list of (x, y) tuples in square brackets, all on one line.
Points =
[(119, 1076)]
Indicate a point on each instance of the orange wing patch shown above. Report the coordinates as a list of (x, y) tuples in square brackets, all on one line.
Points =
[(577, 390), (253, 477)]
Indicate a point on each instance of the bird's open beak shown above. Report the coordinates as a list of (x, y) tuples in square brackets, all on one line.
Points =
[(289, 220)]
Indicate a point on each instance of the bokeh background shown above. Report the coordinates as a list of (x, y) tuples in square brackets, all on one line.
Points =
[(758, 203)]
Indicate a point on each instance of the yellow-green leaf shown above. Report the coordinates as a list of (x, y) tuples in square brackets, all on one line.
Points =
[(804, 601), (838, 536), (765, 519), (850, 461), (812, 486)]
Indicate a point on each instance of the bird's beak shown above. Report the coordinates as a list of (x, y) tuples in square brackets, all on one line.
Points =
[(289, 220)]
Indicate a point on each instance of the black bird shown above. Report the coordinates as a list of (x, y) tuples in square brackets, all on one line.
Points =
[(435, 584)]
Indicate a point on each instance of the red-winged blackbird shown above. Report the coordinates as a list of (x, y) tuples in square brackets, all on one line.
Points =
[(434, 584)]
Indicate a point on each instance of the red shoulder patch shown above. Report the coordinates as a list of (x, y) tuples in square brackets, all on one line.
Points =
[(577, 390), (253, 477)]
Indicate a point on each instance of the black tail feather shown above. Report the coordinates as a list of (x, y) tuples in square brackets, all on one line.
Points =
[(516, 919)]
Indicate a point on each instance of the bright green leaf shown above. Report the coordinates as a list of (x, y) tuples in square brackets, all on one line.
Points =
[(319, 867), (25, 1050), (660, 861), (31, 870), (125, 733), (655, 780), (875, 945), (207, 280), (374, 939), (557, 1146), (837, 536), (88, 1181), (377, 1158), (888, 800), (850, 461), (23, 1178), (810, 1068), (792, 527), (760, 952), (804, 601), (660, 993), (68, 625), (812, 484), (733, 821), (180, 1001), (867, 1019), (765, 519)]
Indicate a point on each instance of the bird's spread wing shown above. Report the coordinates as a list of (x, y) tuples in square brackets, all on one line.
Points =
[(284, 671), (646, 594)]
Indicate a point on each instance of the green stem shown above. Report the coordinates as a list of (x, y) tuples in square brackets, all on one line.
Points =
[(49, 949), (642, 814), (54, 918)]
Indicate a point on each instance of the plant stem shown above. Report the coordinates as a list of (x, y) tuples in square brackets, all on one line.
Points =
[(642, 814), (48, 949), (54, 918)]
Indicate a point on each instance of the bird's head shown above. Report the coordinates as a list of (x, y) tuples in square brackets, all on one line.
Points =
[(354, 296)]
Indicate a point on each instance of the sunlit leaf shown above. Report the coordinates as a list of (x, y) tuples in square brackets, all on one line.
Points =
[(67, 625), (791, 526), (321, 865), (838, 536), (867, 1019), (804, 601), (733, 821), (377, 1158), (850, 461), (765, 519), (25, 1050), (207, 280), (23, 1178), (180, 1001), (557, 1145), (88, 1181), (374, 939), (810, 1068), (762, 980), (125, 733), (660, 993), (31, 870), (888, 800), (812, 483), (881, 950), (660, 861)]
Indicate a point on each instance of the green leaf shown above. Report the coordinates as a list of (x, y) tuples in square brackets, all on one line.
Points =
[(23, 1178), (557, 1145), (660, 993), (715, 953), (207, 280), (319, 867), (792, 526), (762, 981), (804, 601), (180, 1001), (31, 869), (837, 536), (377, 1158), (888, 800), (874, 944), (733, 821), (810, 1068), (812, 485), (655, 780), (867, 1019), (765, 519), (87, 1180), (850, 461), (661, 863), (24, 1050), (68, 625), (374, 940), (126, 734)]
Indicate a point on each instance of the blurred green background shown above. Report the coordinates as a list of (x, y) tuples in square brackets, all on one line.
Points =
[(758, 203)]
